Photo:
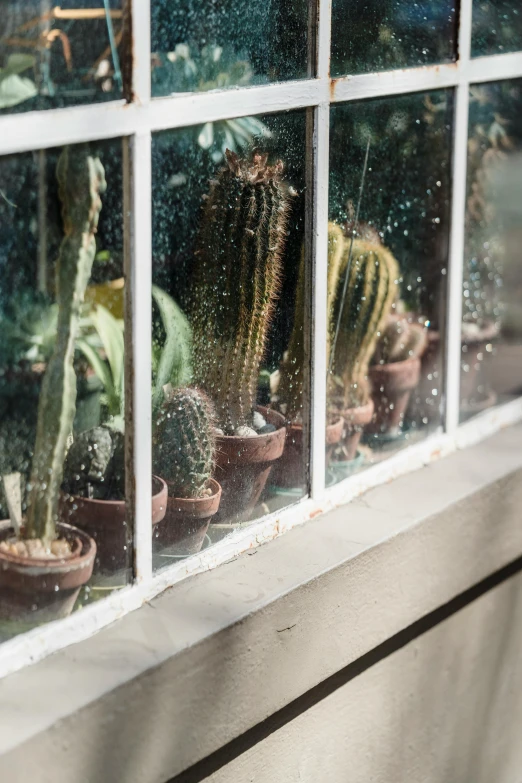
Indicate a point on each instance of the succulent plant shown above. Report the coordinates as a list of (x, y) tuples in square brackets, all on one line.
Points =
[(95, 465), (81, 180), (184, 442), (371, 289), (400, 340), (236, 282)]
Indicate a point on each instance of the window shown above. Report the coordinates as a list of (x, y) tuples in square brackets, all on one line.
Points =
[(237, 290)]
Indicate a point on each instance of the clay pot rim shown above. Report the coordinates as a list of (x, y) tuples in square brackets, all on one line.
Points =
[(114, 503), (396, 367), (348, 414), (71, 563), (489, 331), (211, 482), (258, 436)]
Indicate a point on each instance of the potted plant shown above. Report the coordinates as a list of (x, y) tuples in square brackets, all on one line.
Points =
[(184, 446), (44, 562), (395, 371), (364, 285), (94, 485), (237, 272), (287, 382)]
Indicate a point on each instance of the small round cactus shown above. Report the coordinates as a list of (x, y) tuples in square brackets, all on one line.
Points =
[(184, 442)]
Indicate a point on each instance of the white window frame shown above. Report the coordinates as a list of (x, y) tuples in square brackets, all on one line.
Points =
[(136, 122)]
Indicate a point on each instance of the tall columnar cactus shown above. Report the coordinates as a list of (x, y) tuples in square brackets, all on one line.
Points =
[(81, 180), (184, 442), (237, 281), (400, 340), (290, 387), (371, 290)]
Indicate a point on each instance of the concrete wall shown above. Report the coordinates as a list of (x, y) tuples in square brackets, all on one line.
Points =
[(447, 708)]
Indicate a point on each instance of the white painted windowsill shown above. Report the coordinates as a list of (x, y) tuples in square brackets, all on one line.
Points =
[(218, 653)]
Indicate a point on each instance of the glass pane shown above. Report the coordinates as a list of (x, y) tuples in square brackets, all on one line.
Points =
[(497, 27), (53, 56), (491, 369), (229, 326), (61, 394), (380, 35), (386, 275), (207, 45)]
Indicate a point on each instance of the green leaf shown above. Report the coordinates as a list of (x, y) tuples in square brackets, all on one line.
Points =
[(175, 360), (15, 89), (206, 136), (101, 369), (17, 63), (110, 330)]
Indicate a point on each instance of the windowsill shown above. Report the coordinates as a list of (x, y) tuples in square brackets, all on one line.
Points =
[(175, 680)]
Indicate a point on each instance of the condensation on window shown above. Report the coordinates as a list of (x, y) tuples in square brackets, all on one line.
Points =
[(380, 35), (497, 27), (62, 55), (491, 339), (217, 44), (230, 378), (387, 272)]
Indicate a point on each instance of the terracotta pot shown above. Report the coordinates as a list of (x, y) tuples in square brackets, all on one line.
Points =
[(105, 521), (40, 590), (355, 421), (473, 368), (392, 385), (243, 466), (186, 522), (290, 470)]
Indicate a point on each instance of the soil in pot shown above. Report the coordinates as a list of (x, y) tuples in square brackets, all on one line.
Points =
[(392, 385), (105, 522), (243, 466), (37, 589), (290, 470), (186, 522)]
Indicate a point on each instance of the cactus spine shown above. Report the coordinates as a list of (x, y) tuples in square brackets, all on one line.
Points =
[(290, 388), (184, 442), (371, 290), (81, 180), (237, 281)]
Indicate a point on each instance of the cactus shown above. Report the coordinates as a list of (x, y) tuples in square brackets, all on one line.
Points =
[(236, 282), (400, 340), (81, 180), (290, 387), (95, 465), (370, 293), (184, 442)]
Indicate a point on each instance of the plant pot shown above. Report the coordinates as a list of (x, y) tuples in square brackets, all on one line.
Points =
[(105, 522), (289, 472), (392, 385), (473, 366), (355, 421), (186, 522), (39, 590), (243, 466)]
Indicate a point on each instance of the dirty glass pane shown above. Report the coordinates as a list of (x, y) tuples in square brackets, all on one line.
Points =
[(387, 264), (497, 27), (61, 55), (380, 35), (201, 45), (230, 424), (61, 376), (491, 366)]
